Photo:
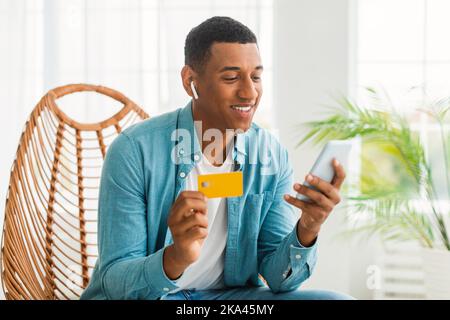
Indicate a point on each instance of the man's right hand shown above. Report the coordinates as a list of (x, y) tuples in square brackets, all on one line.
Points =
[(188, 223)]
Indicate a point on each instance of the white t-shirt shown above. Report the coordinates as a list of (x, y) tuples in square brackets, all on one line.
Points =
[(207, 271)]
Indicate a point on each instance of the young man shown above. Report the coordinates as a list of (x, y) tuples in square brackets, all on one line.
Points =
[(161, 239)]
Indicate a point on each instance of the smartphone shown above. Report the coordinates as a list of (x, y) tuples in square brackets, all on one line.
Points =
[(323, 167)]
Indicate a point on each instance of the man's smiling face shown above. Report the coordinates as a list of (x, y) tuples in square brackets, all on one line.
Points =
[(229, 86)]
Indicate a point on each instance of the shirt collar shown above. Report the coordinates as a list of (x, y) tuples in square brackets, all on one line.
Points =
[(186, 121)]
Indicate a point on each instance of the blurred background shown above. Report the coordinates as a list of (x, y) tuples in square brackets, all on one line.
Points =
[(313, 53)]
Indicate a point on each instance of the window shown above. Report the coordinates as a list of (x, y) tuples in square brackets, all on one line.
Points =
[(402, 49), (137, 47)]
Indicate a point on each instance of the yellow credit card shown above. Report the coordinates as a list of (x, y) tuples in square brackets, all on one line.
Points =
[(221, 185)]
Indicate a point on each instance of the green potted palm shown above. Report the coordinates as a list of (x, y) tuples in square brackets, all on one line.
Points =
[(396, 191)]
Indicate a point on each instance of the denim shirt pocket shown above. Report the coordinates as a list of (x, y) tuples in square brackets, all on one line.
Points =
[(255, 209)]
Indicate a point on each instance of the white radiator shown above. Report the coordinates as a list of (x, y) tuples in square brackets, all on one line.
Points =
[(401, 272)]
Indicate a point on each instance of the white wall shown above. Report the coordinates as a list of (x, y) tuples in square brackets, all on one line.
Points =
[(312, 51)]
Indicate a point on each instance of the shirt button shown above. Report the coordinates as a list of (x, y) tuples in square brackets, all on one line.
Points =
[(182, 174), (166, 289), (196, 157), (298, 256)]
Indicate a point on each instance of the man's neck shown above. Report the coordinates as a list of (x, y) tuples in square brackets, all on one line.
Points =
[(219, 153)]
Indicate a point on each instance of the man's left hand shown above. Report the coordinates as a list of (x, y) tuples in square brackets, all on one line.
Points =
[(315, 212)]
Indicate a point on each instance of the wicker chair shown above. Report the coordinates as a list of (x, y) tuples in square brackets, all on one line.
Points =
[(50, 229)]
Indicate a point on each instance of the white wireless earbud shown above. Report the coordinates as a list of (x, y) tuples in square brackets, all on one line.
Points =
[(193, 90)]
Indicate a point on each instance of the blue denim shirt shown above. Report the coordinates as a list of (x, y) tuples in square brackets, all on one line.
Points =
[(143, 173)]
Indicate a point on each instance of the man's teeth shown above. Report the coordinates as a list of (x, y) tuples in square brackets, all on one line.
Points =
[(245, 109)]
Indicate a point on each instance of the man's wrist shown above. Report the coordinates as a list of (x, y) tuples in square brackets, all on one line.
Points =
[(172, 267), (306, 235)]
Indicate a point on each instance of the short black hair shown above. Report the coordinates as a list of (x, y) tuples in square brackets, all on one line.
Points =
[(216, 29)]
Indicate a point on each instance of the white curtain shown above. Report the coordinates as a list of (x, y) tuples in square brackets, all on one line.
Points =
[(133, 46)]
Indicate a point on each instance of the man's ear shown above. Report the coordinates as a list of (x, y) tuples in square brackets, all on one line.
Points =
[(188, 75)]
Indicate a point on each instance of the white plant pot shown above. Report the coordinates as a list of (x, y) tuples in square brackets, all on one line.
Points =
[(436, 267)]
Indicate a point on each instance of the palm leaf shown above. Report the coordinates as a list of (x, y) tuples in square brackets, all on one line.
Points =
[(388, 201)]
